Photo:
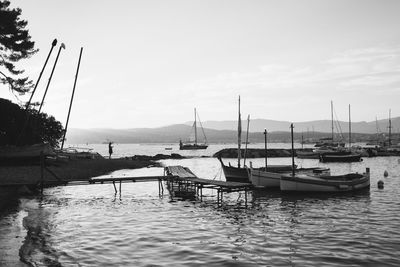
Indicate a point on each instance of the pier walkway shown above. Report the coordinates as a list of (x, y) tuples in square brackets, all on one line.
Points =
[(180, 181)]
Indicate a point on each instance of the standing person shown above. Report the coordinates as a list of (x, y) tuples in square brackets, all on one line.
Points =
[(110, 149)]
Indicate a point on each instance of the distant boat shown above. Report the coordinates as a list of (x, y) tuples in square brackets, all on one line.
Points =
[(168, 148), (329, 141), (307, 154), (344, 155), (194, 145), (337, 157), (325, 183)]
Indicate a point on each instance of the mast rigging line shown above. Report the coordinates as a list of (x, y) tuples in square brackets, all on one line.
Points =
[(202, 129)]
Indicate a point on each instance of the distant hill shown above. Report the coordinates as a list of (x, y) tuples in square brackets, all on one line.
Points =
[(258, 125), (173, 133)]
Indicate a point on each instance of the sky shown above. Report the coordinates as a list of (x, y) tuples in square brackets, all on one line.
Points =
[(149, 63)]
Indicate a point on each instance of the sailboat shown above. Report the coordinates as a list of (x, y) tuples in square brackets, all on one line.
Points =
[(194, 145), (343, 155), (320, 180), (241, 174), (329, 141)]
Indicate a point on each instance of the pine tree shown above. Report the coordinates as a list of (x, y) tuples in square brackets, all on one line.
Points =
[(15, 44)]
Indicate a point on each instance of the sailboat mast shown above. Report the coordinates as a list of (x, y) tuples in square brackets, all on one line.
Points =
[(247, 140), (377, 133), (349, 128), (291, 133), (332, 118), (239, 134), (195, 127), (390, 128)]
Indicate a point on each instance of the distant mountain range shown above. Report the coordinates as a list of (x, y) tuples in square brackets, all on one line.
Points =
[(226, 132), (258, 125)]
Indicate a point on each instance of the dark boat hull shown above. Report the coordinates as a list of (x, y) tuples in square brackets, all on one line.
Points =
[(192, 147), (340, 158), (234, 174)]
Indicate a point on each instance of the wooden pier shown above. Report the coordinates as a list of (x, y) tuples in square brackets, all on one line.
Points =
[(187, 181), (180, 181)]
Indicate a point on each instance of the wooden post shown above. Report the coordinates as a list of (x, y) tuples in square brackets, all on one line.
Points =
[(265, 144), (291, 131), (120, 182), (115, 187), (41, 171), (72, 98), (245, 197)]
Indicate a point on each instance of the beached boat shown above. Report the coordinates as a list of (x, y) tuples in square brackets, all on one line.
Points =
[(194, 145), (24, 154), (325, 183)]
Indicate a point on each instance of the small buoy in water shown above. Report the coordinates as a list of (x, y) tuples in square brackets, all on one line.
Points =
[(380, 184), (385, 174)]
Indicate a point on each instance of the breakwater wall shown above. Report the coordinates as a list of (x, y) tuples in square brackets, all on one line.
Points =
[(257, 152)]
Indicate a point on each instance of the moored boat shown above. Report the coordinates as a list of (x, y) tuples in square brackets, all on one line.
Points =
[(307, 154), (194, 145), (272, 177), (346, 157), (24, 154), (325, 183)]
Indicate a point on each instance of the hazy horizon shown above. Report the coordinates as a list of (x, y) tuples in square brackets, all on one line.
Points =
[(147, 64)]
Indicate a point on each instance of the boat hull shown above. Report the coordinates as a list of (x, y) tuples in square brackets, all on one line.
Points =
[(192, 147), (340, 158), (234, 174), (309, 183), (307, 155), (262, 178)]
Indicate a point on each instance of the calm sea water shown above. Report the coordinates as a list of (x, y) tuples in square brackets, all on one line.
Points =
[(92, 226)]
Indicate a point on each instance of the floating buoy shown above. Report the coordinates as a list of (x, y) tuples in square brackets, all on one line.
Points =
[(380, 184), (385, 174)]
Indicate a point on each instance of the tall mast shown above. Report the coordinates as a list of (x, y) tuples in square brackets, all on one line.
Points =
[(377, 129), (239, 134), (349, 128), (265, 144), (195, 127), (390, 128), (291, 133), (51, 75), (72, 98), (247, 140), (332, 118)]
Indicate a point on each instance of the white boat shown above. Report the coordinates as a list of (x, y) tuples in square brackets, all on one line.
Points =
[(272, 178), (325, 183)]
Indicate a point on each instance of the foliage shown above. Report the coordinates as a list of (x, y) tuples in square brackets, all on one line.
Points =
[(15, 44), (41, 128)]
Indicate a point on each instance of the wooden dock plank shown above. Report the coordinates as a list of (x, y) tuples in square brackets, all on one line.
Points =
[(180, 172), (124, 178)]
